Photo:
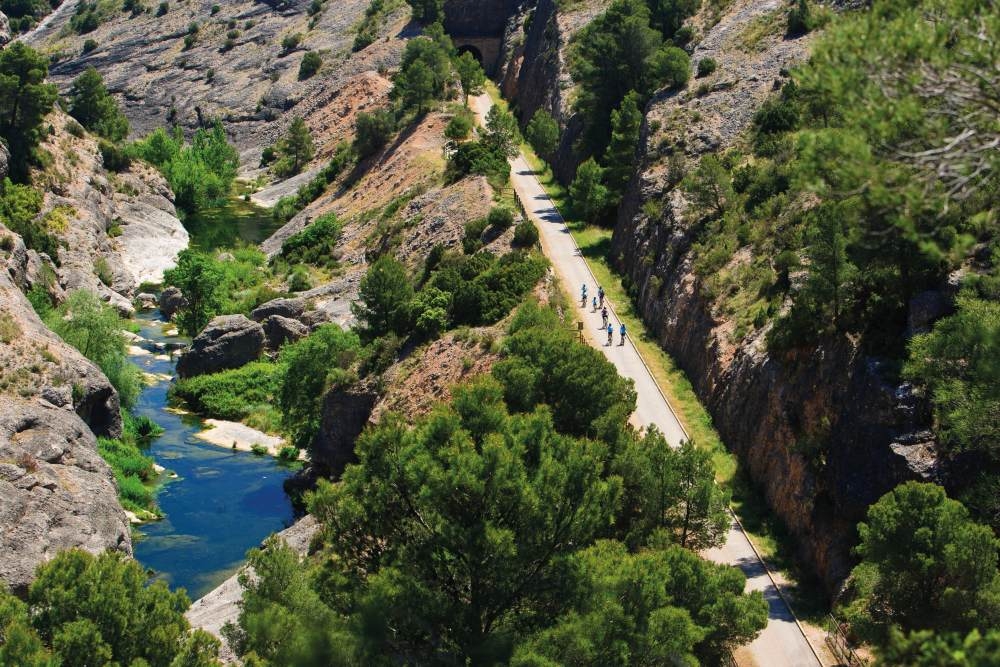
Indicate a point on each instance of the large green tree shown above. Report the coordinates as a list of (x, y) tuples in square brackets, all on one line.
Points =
[(925, 565), (384, 298), (543, 133), (502, 136), (92, 105), (86, 610), (626, 122), (25, 99), (313, 366), (656, 607), (199, 279), (672, 490), (471, 74), (467, 518)]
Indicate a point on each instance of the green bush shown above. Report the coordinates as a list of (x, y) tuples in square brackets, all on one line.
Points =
[(291, 41), (458, 128), (25, 100), (472, 240), (706, 66), (526, 235), (295, 149), (800, 19), (311, 62), (89, 45), (287, 207), (500, 218), (232, 394), (95, 109), (314, 244), (372, 132)]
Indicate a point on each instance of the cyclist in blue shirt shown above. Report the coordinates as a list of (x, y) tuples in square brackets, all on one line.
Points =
[(622, 330)]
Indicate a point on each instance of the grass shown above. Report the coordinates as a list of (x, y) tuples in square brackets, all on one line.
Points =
[(233, 394)]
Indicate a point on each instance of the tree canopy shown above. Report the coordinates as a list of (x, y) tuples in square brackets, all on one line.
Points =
[(92, 105), (25, 99), (85, 610)]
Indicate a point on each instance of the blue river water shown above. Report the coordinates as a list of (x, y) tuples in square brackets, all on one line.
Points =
[(222, 502)]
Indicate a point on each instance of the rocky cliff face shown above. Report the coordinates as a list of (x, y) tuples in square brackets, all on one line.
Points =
[(537, 75), (115, 230), (819, 431), (55, 490)]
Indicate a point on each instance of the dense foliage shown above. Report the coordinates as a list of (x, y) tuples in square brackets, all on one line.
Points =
[(92, 105), (85, 610), (199, 173), (20, 206), (25, 99), (485, 535), (288, 206), (315, 244), (925, 566)]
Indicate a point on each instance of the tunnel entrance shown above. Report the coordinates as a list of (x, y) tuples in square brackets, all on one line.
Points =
[(468, 48)]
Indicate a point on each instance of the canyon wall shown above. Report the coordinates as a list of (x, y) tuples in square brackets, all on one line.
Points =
[(819, 431)]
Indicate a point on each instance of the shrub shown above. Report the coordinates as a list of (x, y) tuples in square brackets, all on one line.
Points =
[(189, 40), (706, 66), (299, 279), (163, 8), (472, 241), (458, 128), (291, 41), (89, 45), (114, 157), (314, 244), (295, 149), (500, 217), (800, 20), (259, 450), (231, 394), (372, 132), (216, 9), (525, 234), (288, 453), (310, 64)]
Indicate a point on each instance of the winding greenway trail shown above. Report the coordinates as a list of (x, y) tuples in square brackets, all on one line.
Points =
[(782, 643)]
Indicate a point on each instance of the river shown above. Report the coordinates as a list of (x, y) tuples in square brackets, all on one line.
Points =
[(222, 502)]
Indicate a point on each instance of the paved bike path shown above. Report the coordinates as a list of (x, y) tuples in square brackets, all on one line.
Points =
[(781, 643)]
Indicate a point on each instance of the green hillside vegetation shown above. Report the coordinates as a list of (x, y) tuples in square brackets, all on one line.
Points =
[(485, 532)]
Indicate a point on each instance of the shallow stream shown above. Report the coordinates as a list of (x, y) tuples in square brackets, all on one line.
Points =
[(222, 502)]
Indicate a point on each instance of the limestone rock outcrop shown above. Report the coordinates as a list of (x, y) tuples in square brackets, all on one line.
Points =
[(280, 330), (229, 341), (33, 360), (56, 492), (290, 308), (171, 300)]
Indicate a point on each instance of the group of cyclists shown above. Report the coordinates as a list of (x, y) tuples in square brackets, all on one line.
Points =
[(597, 302)]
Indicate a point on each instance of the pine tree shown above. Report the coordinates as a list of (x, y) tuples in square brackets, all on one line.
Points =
[(95, 109), (296, 148), (25, 99), (626, 121), (471, 74)]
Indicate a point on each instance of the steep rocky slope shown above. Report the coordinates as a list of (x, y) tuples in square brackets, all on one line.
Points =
[(55, 490), (773, 411), (249, 82), (115, 230)]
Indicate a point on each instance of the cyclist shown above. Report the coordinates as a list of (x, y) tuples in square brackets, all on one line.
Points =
[(611, 334), (594, 303), (600, 295), (583, 295), (604, 317), (622, 330)]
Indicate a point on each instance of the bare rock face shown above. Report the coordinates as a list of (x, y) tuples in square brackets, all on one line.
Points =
[(290, 308), (171, 300), (33, 361), (5, 34), (229, 341), (280, 330), (345, 415), (56, 492), (4, 153)]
